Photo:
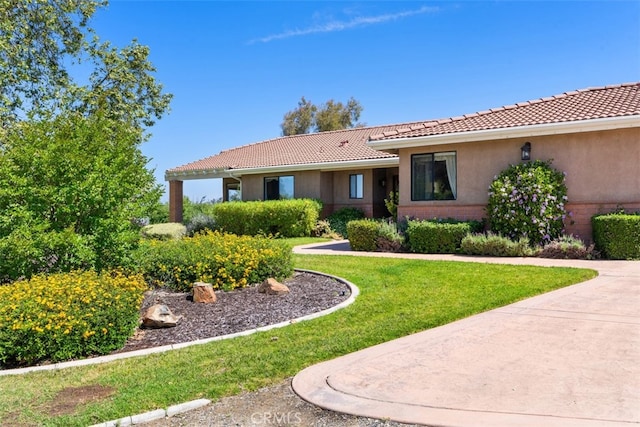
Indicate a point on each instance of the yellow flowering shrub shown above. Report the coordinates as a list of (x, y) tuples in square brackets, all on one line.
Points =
[(67, 315), (225, 260)]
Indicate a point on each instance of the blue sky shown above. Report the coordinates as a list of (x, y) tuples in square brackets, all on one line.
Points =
[(235, 68)]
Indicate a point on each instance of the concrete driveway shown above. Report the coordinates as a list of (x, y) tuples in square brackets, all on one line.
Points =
[(567, 358)]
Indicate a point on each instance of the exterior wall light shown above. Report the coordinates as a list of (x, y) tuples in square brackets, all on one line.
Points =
[(525, 151)]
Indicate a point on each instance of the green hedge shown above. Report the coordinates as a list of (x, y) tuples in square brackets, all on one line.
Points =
[(362, 234), (283, 218), (225, 260), (67, 315), (374, 235), (438, 236), (617, 236)]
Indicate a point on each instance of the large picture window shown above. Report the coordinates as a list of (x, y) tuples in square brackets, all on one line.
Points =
[(278, 187), (356, 186), (433, 176)]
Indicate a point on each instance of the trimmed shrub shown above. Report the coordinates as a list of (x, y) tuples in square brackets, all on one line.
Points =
[(199, 223), (340, 218), (442, 237), (528, 200), (283, 218), (495, 245), (567, 247), (67, 315), (165, 231), (226, 261), (617, 235), (363, 234)]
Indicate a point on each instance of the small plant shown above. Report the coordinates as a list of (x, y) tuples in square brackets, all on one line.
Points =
[(389, 238), (392, 205), (199, 223), (528, 200), (323, 229), (495, 245), (341, 217), (567, 247)]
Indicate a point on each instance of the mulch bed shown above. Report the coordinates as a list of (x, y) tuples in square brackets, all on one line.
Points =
[(237, 310)]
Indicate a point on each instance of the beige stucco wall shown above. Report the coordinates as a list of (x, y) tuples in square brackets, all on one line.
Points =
[(603, 171), (306, 184), (601, 167)]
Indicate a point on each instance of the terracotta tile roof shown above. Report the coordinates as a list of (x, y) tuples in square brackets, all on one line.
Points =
[(585, 104), (325, 147), (351, 144)]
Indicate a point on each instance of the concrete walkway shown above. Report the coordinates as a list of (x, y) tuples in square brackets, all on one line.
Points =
[(567, 358)]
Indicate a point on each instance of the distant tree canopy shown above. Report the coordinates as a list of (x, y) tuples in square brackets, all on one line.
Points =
[(331, 115)]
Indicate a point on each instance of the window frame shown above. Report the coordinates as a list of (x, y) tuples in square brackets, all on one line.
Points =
[(278, 179), (359, 186), (433, 170), (233, 187)]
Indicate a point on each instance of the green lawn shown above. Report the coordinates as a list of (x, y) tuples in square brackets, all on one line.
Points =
[(398, 297)]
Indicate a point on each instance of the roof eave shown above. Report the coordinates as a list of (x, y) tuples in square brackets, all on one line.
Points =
[(325, 166), (592, 125)]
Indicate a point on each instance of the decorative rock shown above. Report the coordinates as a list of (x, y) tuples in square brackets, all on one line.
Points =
[(273, 287), (203, 292), (159, 316)]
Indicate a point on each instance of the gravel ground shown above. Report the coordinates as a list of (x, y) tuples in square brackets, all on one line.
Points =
[(271, 406), (238, 310)]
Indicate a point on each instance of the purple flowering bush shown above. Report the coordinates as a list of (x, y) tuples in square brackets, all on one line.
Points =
[(528, 201)]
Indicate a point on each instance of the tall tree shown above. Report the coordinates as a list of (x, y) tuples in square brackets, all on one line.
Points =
[(42, 44), (299, 120), (73, 179), (335, 116), (329, 116)]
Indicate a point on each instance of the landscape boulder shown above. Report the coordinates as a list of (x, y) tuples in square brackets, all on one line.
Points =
[(273, 287), (159, 316), (203, 292)]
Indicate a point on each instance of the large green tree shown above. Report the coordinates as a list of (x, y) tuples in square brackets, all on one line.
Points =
[(331, 115), (73, 179), (74, 176), (46, 44)]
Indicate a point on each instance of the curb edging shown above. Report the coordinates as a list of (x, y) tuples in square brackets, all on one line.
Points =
[(155, 415)]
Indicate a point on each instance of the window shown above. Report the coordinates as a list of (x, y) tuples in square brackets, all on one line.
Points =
[(433, 176), (278, 187), (356, 186), (233, 192)]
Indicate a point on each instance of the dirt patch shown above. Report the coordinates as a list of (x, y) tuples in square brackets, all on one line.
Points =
[(68, 399), (238, 310)]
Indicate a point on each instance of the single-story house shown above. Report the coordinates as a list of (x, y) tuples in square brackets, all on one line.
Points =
[(443, 168)]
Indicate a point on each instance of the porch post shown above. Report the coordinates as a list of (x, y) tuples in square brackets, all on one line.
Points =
[(175, 201)]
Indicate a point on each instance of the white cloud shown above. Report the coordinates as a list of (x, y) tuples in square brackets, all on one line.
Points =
[(333, 26)]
